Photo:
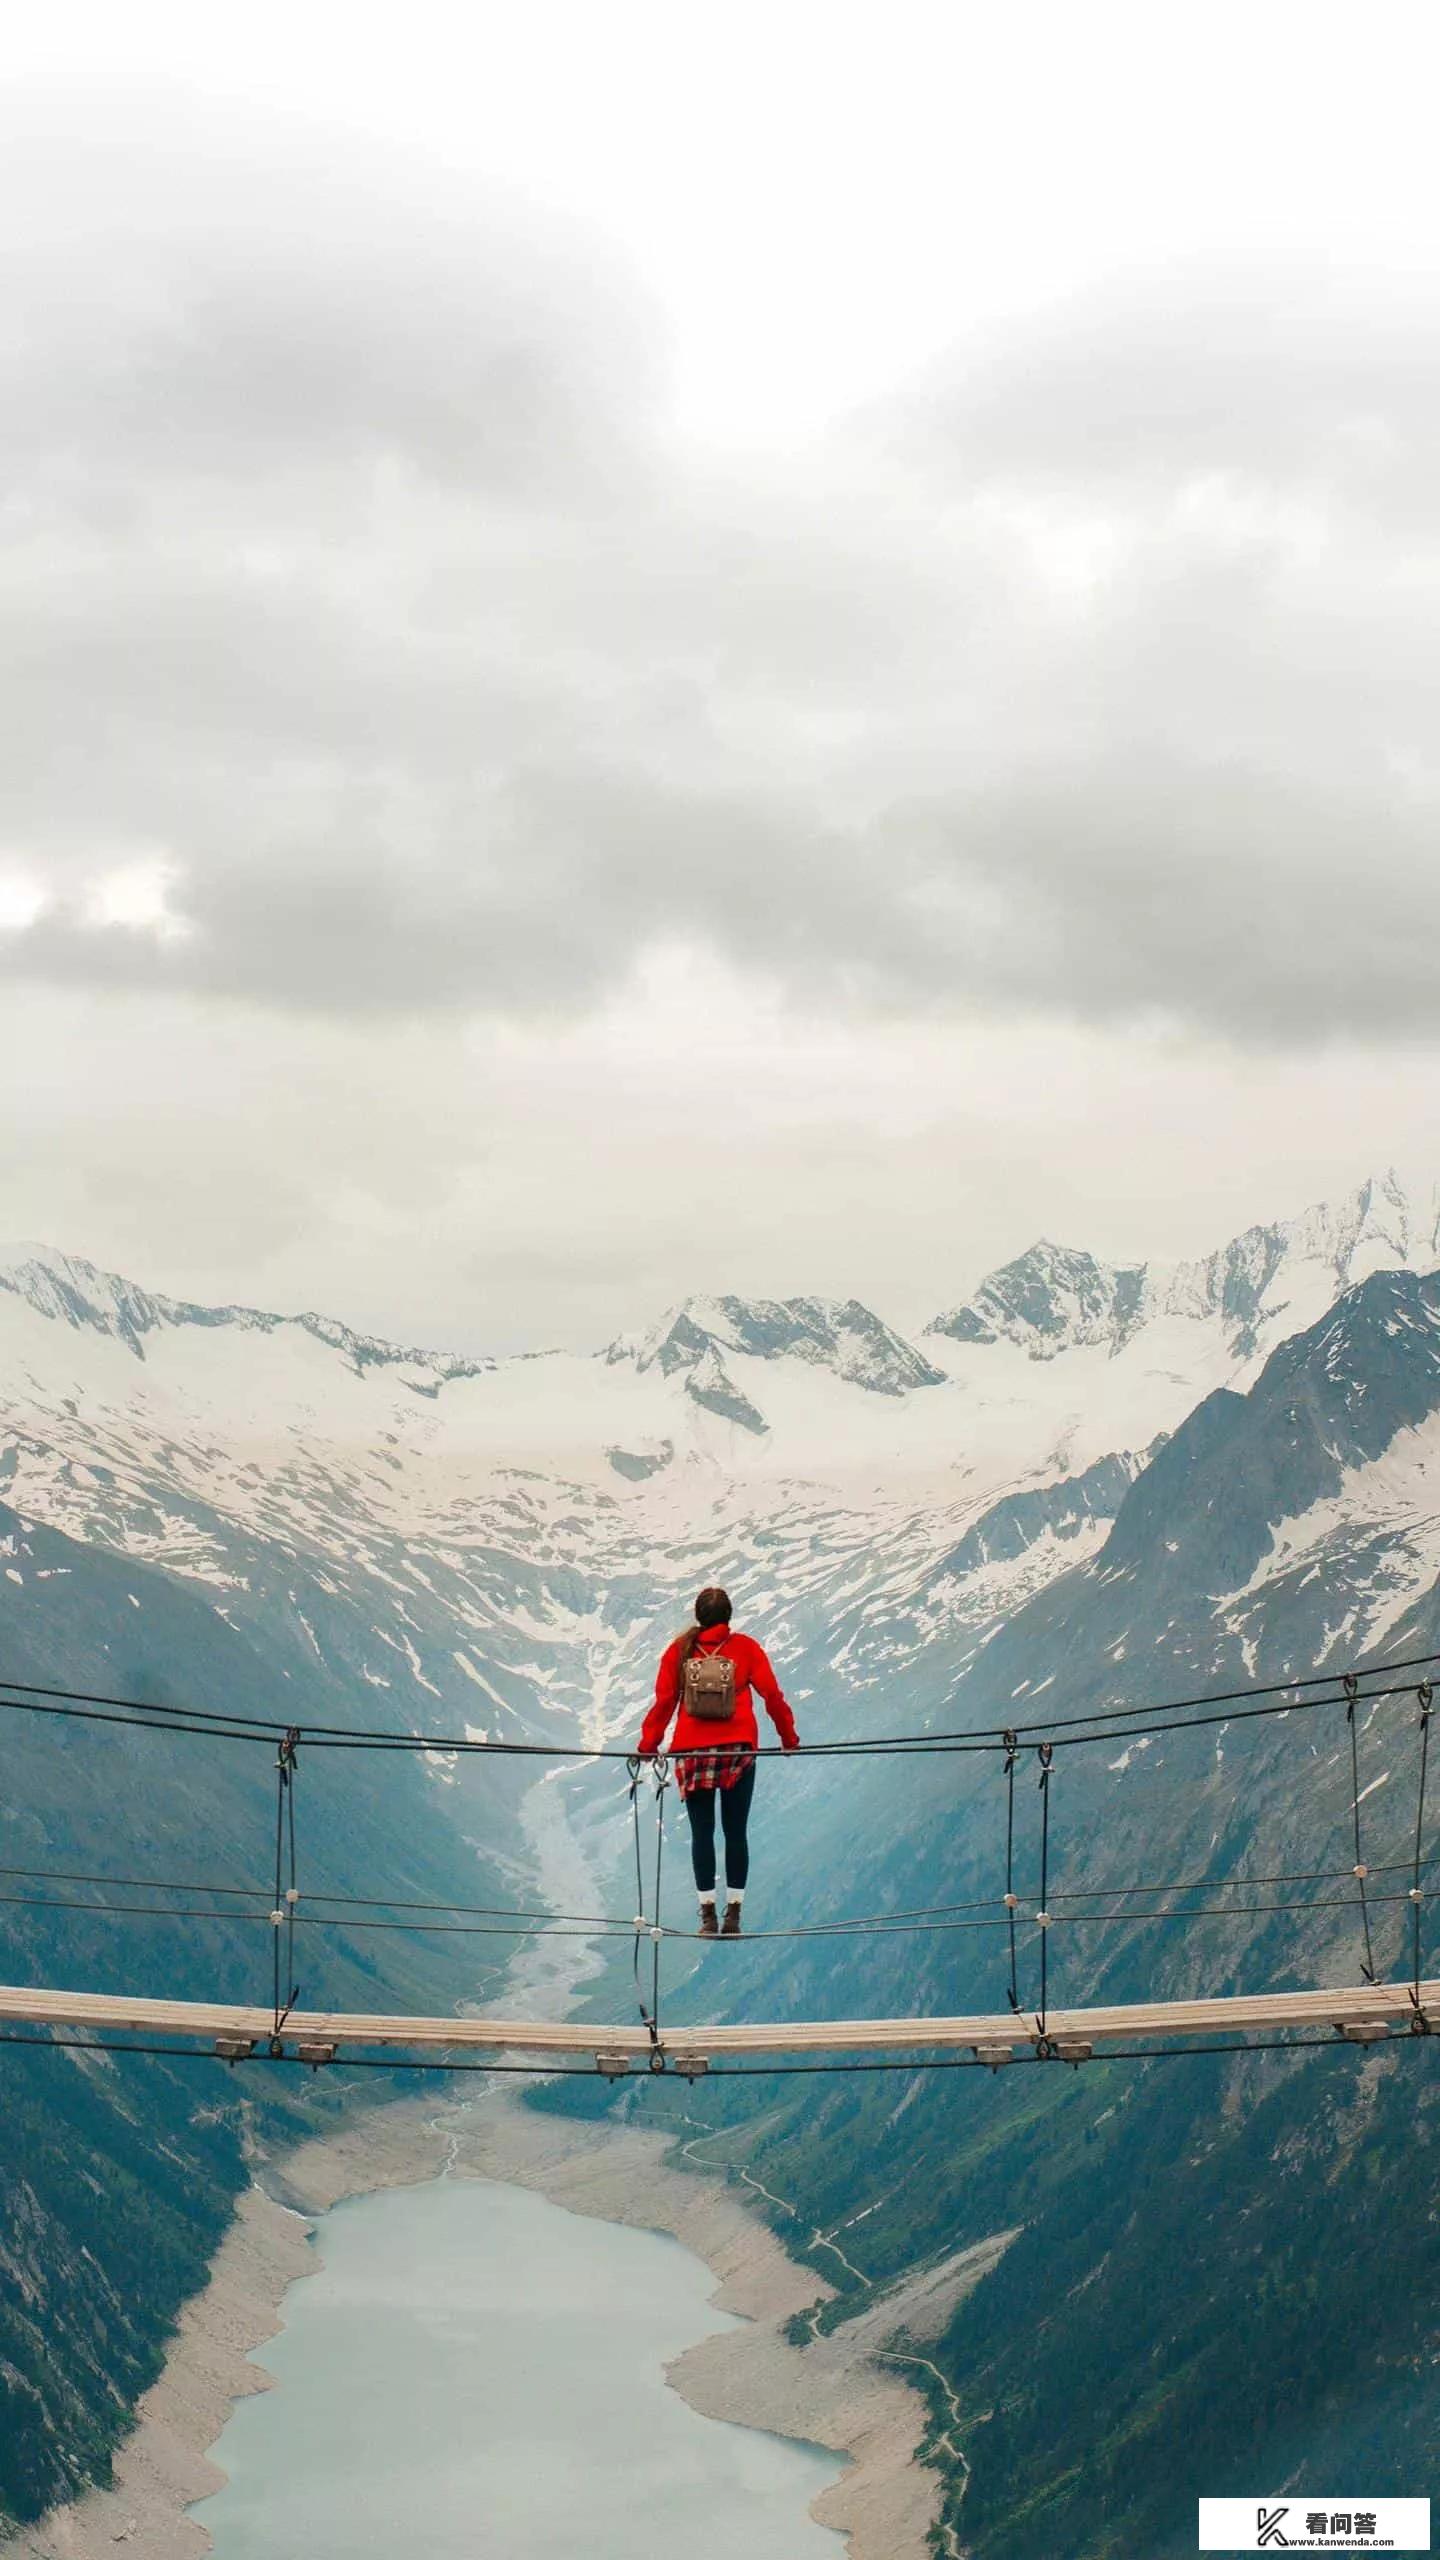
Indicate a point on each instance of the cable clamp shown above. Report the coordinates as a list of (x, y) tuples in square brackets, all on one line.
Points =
[(1416, 1893), (1042, 1919), (278, 1919), (1012, 1901), (1360, 1871), (656, 1932)]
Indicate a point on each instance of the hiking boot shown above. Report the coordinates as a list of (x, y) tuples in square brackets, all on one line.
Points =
[(708, 1926), (731, 1928)]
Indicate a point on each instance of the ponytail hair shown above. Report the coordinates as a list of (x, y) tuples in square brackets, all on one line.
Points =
[(712, 1609)]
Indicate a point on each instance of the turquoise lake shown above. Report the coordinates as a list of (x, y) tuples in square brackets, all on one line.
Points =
[(475, 2374)]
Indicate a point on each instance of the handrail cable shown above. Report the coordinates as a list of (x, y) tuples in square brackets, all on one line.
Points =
[(27, 1696)]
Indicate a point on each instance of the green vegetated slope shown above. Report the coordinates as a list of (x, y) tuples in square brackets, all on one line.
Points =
[(117, 2178), (1226, 2269)]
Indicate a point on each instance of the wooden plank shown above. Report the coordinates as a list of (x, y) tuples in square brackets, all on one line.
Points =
[(1256, 2013)]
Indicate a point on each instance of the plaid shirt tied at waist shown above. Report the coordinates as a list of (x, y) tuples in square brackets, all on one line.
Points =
[(719, 1767)]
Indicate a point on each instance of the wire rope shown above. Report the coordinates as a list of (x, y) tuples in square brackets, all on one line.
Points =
[(27, 1696)]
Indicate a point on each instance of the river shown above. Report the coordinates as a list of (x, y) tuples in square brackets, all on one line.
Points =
[(475, 2374)]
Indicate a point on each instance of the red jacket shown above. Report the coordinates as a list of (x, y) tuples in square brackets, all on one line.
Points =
[(752, 1671)]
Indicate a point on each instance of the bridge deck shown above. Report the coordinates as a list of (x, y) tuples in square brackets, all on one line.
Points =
[(1387, 2004)]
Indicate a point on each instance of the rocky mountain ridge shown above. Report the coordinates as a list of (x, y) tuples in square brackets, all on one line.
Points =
[(1054, 1298), (1057, 1361), (77, 1292)]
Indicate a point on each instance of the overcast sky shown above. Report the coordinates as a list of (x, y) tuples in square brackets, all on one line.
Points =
[(755, 648)]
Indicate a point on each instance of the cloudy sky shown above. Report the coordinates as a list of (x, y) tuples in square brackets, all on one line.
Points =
[(769, 648)]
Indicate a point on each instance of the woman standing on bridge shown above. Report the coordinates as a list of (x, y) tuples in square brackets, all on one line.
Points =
[(705, 1680)]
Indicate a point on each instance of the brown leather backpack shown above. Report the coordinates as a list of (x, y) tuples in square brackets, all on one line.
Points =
[(709, 1691)]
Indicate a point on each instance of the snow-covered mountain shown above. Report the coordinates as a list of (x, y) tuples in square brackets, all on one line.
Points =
[(693, 1342), (498, 1542), (64, 1286), (1265, 1284)]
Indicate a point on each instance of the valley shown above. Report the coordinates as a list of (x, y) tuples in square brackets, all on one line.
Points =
[(1098, 1486)]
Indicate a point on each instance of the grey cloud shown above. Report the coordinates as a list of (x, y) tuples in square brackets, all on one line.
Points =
[(349, 565), (222, 303), (1294, 379)]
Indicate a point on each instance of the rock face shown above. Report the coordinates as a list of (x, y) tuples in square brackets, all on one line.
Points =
[(826, 1333), (1049, 1300)]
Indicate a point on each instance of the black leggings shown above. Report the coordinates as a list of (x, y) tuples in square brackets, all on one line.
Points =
[(734, 1815)]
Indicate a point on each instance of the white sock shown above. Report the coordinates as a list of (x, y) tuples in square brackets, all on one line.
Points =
[(736, 1892), (708, 1897)]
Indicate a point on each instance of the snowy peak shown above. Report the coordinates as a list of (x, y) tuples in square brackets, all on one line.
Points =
[(1296, 1265), (71, 1291), (1049, 1300), (1268, 1282), (843, 1336)]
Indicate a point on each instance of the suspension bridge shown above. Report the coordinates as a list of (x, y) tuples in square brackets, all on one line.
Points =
[(1356, 2013)]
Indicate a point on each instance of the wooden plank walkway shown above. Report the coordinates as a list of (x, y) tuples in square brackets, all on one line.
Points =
[(1385, 2004)]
